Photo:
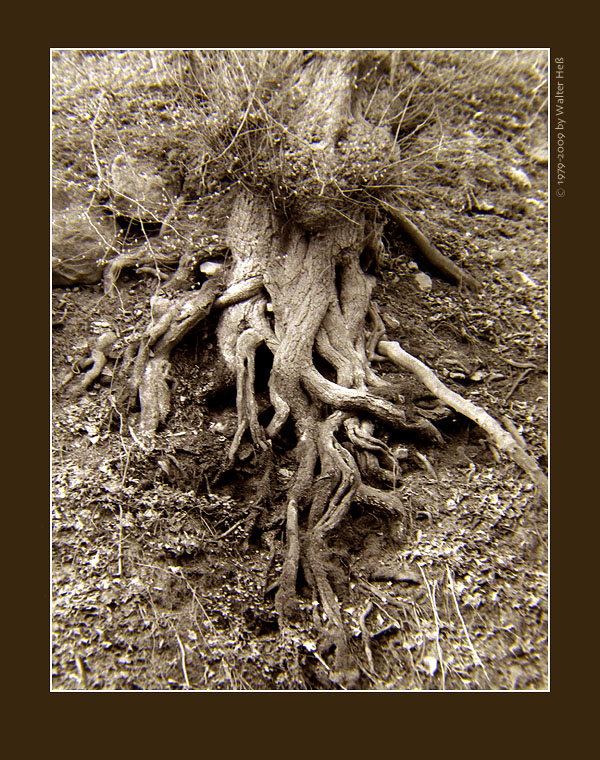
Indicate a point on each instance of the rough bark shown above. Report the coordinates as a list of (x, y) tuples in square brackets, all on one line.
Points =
[(315, 304)]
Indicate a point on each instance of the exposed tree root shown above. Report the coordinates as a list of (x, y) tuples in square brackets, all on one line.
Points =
[(307, 299), (150, 372), (98, 360), (304, 297), (435, 258), (319, 307), (143, 257), (186, 276), (501, 438), (238, 292), (147, 359), (247, 407)]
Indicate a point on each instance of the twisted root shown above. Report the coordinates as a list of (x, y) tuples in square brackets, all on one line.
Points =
[(98, 361)]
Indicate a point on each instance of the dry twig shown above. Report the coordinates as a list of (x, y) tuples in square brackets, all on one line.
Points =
[(517, 382), (436, 618), (183, 662), (476, 658), (366, 636)]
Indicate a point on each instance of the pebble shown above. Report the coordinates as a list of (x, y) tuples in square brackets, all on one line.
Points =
[(424, 281), (477, 376), (539, 154), (519, 177), (210, 268)]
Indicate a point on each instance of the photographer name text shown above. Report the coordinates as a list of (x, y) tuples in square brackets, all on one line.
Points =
[(559, 125)]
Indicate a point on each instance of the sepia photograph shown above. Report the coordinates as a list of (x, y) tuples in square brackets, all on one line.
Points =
[(299, 368)]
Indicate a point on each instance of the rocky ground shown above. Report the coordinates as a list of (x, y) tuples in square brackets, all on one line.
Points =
[(159, 580)]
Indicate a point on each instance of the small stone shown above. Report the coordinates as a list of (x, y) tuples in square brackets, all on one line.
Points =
[(430, 664), (525, 279), (477, 376), (424, 281), (210, 268), (539, 154), (245, 452), (519, 178)]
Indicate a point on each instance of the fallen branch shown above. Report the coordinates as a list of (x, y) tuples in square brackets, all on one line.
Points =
[(499, 437), (81, 672), (227, 532), (183, 663)]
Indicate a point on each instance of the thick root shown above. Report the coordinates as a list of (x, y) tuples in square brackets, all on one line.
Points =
[(363, 402), (329, 508), (247, 407), (500, 437), (154, 396), (319, 314), (144, 258), (435, 258), (98, 361), (185, 276), (151, 368), (285, 599)]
